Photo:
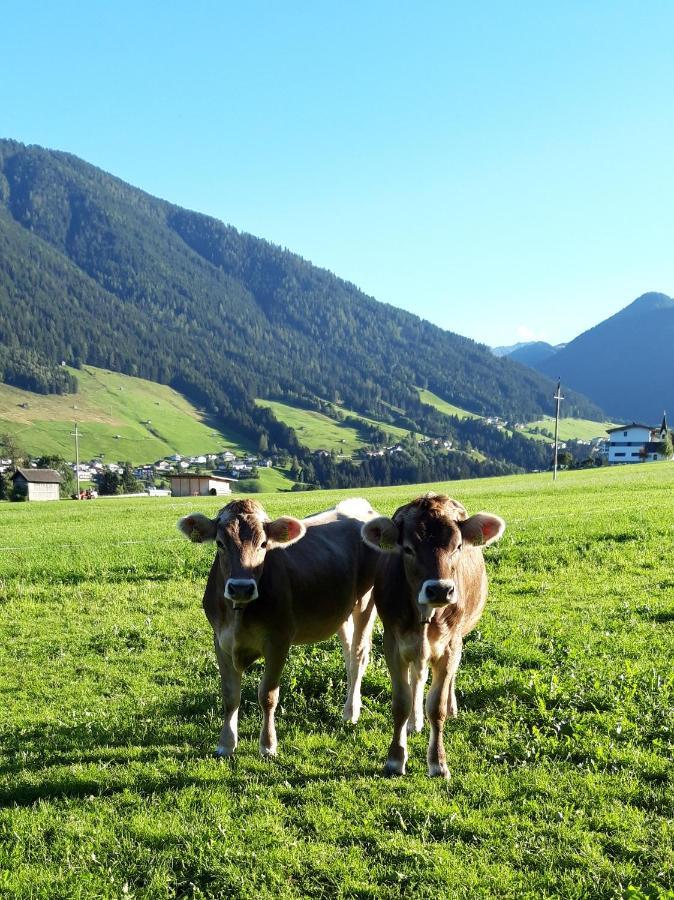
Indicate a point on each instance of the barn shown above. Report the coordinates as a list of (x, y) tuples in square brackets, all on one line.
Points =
[(37, 484), (186, 485)]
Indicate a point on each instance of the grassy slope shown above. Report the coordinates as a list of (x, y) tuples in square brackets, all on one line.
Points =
[(561, 755), (108, 404), (581, 429), (319, 432), (447, 408)]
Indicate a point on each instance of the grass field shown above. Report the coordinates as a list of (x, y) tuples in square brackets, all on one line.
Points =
[(561, 755), (319, 432), (111, 410), (443, 406), (571, 429)]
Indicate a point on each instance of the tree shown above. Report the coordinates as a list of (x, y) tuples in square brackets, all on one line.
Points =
[(263, 443), (4, 486), (11, 449), (109, 483), (129, 483)]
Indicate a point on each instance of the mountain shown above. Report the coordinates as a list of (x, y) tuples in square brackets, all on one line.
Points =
[(534, 353), (625, 363), (95, 271)]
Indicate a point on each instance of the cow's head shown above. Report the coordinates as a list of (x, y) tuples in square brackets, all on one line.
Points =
[(430, 533), (243, 533)]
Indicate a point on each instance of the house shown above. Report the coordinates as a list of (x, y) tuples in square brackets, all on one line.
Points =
[(200, 485), (37, 484), (637, 443)]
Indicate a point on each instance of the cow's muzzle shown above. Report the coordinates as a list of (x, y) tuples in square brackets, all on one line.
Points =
[(440, 592), (241, 591)]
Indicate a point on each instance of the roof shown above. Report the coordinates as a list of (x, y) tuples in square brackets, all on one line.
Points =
[(39, 476), (202, 475), (627, 427)]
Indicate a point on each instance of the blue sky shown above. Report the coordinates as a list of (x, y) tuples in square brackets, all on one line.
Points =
[(502, 169)]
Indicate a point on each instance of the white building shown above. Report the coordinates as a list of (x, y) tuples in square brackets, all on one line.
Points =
[(636, 443)]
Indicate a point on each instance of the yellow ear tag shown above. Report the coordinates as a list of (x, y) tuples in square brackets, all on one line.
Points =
[(386, 543), (195, 536)]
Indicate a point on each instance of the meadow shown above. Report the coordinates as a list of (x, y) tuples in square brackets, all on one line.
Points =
[(122, 417), (561, 756)]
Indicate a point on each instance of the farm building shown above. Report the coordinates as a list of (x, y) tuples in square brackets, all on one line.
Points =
[(637, 443), (37, 484), (200, 485)]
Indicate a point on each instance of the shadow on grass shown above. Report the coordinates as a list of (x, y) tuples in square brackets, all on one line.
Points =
[(664, 617), (39, 761)]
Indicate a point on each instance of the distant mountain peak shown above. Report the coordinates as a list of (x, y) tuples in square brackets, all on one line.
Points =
[(648, 302)]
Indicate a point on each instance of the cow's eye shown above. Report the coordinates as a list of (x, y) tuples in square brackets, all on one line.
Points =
[(408, 550), (263, 545), (221, 546)]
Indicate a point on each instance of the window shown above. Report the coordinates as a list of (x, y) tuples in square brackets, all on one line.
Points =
[(620, 454), (624, 434)]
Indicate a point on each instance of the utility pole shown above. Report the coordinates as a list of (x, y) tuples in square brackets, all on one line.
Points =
[(558, 398), (76, 434)]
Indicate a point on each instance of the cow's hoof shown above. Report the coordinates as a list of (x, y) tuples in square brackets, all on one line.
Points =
[(351, 716), (221, 752), (393, 768), (267, 752), (439, 770)]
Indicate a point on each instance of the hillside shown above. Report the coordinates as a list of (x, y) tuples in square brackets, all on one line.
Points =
[(93, 271), (624, 362), (122, 417)]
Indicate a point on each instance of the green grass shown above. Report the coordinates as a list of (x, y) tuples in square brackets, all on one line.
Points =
[(570, 429), (449, 409), (561, 755), (110, 404), (319, 432)]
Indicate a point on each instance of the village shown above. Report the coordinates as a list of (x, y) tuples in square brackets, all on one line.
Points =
[(218, 474)]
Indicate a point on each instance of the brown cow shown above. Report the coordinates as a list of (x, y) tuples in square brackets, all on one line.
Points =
[(430, 589), (274, 584)]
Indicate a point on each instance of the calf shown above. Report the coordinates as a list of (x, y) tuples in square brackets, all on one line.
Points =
[(430, 589), (274, 584)]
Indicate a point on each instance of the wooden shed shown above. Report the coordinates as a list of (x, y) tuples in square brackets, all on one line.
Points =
[(37, 484), (186, 485)]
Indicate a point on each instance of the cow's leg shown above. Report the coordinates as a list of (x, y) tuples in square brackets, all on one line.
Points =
[(456, 650), (230, 684), (346, 639), (401, 697), (418, 679), (436, 710), (267, 695), (363, 617)]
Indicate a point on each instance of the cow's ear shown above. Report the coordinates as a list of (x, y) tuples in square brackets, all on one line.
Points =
[(382, 534), (284, 531), (198, 528), (482, 529)]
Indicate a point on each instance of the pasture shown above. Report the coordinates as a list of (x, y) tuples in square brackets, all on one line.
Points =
[(561, 756), (122, 417)]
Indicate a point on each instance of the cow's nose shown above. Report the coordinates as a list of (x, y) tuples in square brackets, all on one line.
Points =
[(241, 589), (440, 592)]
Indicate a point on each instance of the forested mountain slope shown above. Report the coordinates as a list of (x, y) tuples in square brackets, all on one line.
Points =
[(626, 362), (93, 270)]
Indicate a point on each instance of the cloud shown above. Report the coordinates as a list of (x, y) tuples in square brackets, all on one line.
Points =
[(524, 333)]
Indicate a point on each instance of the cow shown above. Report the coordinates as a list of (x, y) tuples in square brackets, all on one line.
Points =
[(430, 589), (277, 583)]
